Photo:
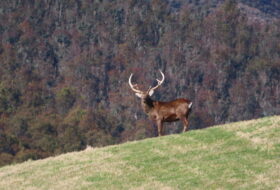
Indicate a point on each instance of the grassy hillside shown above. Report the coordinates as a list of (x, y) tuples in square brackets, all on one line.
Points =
[(243, 155)]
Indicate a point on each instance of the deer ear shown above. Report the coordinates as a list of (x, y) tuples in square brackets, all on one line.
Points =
[(151, 92), (139, 95)]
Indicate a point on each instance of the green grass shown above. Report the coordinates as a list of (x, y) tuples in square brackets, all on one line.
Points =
[(242, 155)]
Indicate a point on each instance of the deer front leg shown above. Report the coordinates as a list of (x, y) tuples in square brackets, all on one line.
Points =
[(185, 123), (160, 127)]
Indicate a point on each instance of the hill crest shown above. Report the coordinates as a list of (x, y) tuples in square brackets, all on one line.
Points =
[(232, 156)]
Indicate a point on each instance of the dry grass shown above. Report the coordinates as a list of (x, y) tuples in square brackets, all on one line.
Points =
[(242, 155), (263, 133)]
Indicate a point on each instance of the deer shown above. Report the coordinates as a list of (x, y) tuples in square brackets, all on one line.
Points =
[(161, 112)]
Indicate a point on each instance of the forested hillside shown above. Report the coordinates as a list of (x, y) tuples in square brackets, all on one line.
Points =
[(64, 68)]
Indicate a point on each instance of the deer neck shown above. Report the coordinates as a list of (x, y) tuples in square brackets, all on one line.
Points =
[(147, 104)]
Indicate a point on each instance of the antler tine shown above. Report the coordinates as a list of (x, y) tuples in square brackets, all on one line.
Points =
[(133, 85), (159, 81)]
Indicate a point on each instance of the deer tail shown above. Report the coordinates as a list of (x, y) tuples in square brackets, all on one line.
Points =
[(190, 105)]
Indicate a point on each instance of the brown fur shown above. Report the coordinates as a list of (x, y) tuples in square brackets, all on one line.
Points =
[(161, 112)]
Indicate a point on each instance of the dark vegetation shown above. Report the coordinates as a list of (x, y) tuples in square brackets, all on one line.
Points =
[(64, 67)]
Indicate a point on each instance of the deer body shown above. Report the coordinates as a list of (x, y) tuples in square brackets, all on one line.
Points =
[(161, 112)]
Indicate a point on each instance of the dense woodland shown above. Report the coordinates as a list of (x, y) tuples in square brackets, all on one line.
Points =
[(64, 68)]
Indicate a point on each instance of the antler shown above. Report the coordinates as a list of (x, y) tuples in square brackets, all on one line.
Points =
[(132, 86), (159, 82)]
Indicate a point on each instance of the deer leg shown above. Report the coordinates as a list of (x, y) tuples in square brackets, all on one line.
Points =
[(185, 123), (160, 127)]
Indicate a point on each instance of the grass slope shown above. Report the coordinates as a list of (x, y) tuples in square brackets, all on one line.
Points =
[(243, 155)]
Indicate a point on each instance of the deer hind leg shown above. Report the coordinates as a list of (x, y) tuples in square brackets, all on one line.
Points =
[(160, 127), (185, 123)]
